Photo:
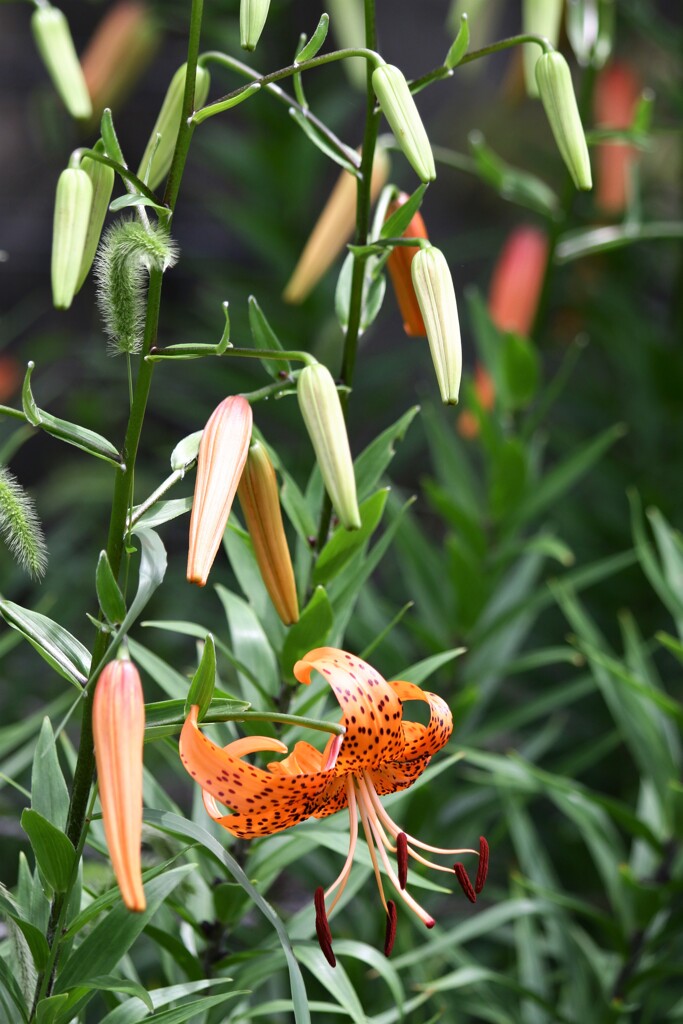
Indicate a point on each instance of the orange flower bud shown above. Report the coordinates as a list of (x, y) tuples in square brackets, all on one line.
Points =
[(398, 265), (517, 280), (222, 453), (118, 719), (333, 230), (260, 502), (485, 391), (617, 91), (118, 52)]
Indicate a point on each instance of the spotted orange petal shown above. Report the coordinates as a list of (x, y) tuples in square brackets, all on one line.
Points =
[(263, 802), (391, 778), (420, 740), (303, 759), (371, 709)]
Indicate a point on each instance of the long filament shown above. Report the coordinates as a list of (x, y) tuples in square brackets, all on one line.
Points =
[(353, 836)]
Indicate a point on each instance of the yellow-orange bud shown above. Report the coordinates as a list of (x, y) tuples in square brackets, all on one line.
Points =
[(222, 453), (333, 229), (399, 263), (118, 718), (260, 502)]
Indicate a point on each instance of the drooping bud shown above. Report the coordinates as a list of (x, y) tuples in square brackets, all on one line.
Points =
[(517, 280), (102, 180), (539, 18), (222, 454), (557, 95), (167, 125), (260, 503), (436, 297), (118, 719), (400, 110), (118, 52), (73, 203), (324, 420), (399, 264), (253, 14), (333, 229), (617, 91), (56, 47)]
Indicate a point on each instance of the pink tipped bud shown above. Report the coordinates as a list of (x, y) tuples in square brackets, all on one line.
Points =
[(517, 280), (118, 719), (118, 52), (398, 265), (222, 453), (617, 91)]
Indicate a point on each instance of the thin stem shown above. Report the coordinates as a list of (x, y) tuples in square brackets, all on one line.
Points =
[(440, 72), (122, 171)]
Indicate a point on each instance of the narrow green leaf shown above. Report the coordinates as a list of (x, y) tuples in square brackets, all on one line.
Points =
[(9, 983), (161, 997), (108, 593), (49, 792), (521, 371), (56, 645), (346, 158), (48, 1009), (163, 512), (395, 225), (422, 670), (53, 852), (334, 979), (344, 545), (251, 646), (311, 631), (373, 460), (109, 983), (511, 183), (204, 679), (460, 44), (135, 199), (265, 337), (310, 49), (153, 563)]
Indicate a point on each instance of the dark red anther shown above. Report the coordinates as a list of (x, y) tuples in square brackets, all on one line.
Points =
[(391, 928), (465, 884), (483, 868), (402, 858), (322, 927)]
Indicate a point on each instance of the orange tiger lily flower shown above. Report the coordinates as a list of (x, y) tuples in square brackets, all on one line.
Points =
[(379, 753)]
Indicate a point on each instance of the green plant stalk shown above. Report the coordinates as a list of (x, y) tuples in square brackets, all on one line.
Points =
[(436, 74), (123, 482)]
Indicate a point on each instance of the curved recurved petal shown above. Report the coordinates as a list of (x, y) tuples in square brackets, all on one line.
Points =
[(372, 710), (391, 778), (303, 760), (420, 740), (265, 802)]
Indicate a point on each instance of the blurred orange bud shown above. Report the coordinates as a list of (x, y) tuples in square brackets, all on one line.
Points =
[(333, 230), (118, 52), (517, 280), (468, 425), (223, 452), (11, 376), (118, 718), (485, 391), (617, 91), (260, 502), (399, 270)]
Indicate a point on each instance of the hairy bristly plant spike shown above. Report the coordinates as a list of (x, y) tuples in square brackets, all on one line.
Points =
[(127, 253), (20, 526)]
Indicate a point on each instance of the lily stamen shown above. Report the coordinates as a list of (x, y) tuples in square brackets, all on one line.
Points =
[(343, 876), (367, 828)]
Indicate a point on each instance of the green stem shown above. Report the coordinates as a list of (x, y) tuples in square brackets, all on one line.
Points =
[(188, 351), (436, 74), (122, 171)]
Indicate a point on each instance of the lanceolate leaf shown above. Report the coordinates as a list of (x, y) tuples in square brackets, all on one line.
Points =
[(53, 852), (56, 645), (49, 793)]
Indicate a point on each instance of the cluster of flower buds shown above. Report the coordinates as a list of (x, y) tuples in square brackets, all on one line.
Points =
[(118, 720), (56, 47), (556, 90), (399, 264), (156, 160), (228, 463), (398, 105), (253, 14)]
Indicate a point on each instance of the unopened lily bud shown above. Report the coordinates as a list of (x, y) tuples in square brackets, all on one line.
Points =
[(253, 14), (399, 264), (400, 110), (222, 453), (118, 719), (324, 419), (102, 181), (72, 216), (333, 229), (436, 296), (517, 280), (56, 47), (557, 95), (539, 18), (260, 502), (118, 52), (167, 125)]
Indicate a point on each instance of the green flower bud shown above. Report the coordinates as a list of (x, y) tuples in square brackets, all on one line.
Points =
[(102, 180), (404, 120), (72, 214), (557, 95), (253, 14), (324, 419), (539, 18), (433, 286), (56, 47), (167, 125)]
